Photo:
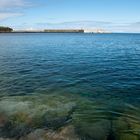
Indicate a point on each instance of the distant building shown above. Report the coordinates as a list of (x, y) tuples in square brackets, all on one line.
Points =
[(95, 31)]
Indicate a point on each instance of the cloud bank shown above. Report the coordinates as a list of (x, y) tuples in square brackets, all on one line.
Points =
[(11, 3), (8, 15), (8, 8)]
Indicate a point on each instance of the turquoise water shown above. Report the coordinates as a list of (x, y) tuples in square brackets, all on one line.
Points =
[(103, 69)]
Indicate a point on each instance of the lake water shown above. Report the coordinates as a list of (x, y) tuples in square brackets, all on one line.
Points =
[(101, 69)]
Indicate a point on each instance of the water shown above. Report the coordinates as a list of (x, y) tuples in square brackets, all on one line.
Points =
[(101, 68)]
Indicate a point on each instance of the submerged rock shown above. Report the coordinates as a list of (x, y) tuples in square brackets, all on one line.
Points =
[(6, 139), (124, 129), (23, 114), (65, 133), (91, 123), (128, 137), (57, 117), (35, 135)]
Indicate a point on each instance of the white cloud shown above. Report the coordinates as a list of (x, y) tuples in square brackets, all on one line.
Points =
[(12, 3), (76, 24), (12, 8), (8, 15)]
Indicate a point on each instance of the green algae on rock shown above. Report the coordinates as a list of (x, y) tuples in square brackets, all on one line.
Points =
[(89, 123), (57, 117), (94, 120), (26, 113)]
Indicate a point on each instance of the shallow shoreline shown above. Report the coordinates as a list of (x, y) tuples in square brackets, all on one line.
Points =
[(58, 117)]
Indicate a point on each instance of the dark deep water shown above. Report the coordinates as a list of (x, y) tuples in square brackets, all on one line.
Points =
[(101, 68)]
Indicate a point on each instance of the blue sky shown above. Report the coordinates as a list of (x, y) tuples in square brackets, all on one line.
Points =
[(110, 15)]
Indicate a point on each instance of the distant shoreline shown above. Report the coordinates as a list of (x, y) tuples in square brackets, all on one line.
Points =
[(48, 31), (54, 31), (61, 33)]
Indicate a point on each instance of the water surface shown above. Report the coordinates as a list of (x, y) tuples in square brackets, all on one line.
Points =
[(101, 68)]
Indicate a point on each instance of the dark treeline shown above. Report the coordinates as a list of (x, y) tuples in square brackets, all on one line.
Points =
[(5, 29), (8, 29), (63, 30)]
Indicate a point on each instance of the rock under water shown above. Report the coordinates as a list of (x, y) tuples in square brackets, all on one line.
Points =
[(61, 117)]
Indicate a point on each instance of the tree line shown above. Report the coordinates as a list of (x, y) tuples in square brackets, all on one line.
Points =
[(5, 29)]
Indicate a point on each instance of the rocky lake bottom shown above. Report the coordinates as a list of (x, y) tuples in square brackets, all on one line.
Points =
[(66, 117)]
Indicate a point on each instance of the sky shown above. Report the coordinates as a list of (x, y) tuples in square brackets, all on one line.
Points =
[(110, 15)]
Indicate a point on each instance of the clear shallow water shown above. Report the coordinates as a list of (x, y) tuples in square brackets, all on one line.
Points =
[(101, 68)]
